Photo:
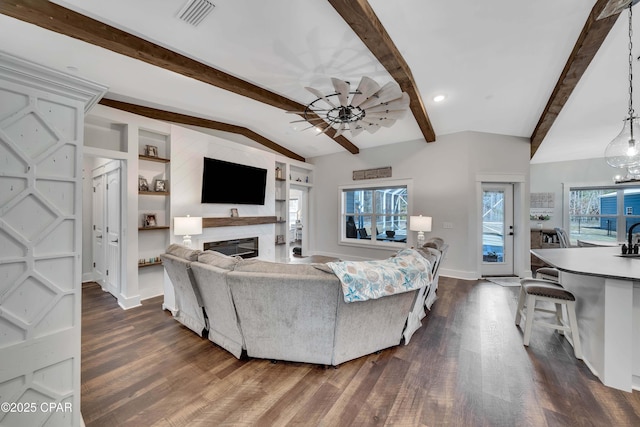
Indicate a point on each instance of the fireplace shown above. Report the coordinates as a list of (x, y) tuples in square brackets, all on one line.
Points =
[(245, 248)]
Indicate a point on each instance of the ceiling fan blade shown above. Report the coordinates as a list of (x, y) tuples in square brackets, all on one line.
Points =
[(389, 92), (324, 130), (371, 128), (397, 104), (380, 122), (366, 88), (317, 119), (389, 114), (342, 89), (320, 95), (355, 128), (340, 130)]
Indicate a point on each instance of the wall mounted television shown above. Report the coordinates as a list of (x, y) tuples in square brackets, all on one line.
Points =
[(226, 182)]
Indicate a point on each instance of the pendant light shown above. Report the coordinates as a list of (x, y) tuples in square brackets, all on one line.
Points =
[(624, 150)]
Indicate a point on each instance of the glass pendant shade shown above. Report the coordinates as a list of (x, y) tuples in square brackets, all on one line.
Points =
[(624, 150)]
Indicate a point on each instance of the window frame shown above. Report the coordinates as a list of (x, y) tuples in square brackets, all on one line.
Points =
[(368, 186), (621, 216)]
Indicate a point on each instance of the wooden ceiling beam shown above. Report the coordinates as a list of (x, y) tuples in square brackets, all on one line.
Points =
[(598, 25), (364, 22), (56, 18), (169, 116)]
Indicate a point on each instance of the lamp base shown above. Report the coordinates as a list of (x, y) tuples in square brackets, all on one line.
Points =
[(186, 241), (420, 239)]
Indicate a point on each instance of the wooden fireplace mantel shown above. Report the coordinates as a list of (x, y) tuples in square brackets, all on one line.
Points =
[(231, 221)]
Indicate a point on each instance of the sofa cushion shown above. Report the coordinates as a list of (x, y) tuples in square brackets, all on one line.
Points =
[(219, 260), (259, 266), (183, 252)]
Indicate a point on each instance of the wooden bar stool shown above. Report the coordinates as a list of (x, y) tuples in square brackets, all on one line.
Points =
[(534, 290)]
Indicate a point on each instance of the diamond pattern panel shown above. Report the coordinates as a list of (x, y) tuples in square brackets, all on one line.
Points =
[(36, 418), (29, 217), (60, 240), (59, 271), (11, 248), (10, 334), (28, 299), (32, 135), (59, 318), (58, 193), (58, 377), (63, 116), (10, 187), (60, 164), (10, 163), (9, 272), (10, 102)]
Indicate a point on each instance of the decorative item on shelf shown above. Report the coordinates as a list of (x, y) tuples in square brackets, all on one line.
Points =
[(370, 108), (187, 226), (623, 151), (149, 220), (234, 213), (151, 151), (420, 224), (280, 239), (278, 173), (143, 185), (161, 185)]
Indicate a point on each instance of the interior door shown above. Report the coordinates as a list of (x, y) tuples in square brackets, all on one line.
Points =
[(98, 231), (112, 268), (497, 229)]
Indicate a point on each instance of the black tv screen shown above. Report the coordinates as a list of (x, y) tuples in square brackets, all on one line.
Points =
[(226, 182)]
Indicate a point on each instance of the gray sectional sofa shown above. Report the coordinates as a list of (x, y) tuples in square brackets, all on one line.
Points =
[(293, 312)]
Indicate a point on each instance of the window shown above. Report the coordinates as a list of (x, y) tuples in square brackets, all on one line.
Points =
[(599, 213), (374, 215)]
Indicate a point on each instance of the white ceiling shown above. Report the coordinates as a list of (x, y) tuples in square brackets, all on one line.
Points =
[(496, 60)]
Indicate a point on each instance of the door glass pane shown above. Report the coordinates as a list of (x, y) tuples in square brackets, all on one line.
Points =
[(493, 226)]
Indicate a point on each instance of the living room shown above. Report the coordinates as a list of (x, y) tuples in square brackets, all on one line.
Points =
[(445, 176)]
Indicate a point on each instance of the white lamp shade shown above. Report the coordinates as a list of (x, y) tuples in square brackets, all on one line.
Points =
[(187, 225), (420, 223)]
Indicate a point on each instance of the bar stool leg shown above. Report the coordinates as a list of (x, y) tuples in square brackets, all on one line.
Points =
[(531, 306), (559, 317), (520, 306), (573, 324)]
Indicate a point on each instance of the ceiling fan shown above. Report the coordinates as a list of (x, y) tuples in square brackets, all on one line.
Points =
[(369, 107)]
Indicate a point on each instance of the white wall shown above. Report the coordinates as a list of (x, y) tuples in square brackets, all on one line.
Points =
[(549, 178), (444, 181), (187, 153)]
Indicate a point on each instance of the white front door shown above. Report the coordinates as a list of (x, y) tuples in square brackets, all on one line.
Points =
[(497, 229)]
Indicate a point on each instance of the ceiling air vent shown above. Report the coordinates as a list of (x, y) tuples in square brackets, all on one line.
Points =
[(194, 11)]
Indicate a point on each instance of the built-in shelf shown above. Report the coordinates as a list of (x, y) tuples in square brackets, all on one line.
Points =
[(153, 193), (232, 221), (149, 264), (153, 159), (158, 227), (302, 184), (281, 200), (281, 179)]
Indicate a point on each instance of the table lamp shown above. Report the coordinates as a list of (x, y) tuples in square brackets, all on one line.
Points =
[(420, 224), (187, 226)]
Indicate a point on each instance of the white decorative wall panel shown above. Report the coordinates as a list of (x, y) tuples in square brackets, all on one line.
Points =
[(41, 115)]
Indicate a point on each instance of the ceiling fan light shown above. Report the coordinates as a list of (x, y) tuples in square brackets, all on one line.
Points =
[(439, 98)]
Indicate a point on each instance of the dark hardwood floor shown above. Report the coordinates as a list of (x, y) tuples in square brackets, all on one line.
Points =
[(466, 366)]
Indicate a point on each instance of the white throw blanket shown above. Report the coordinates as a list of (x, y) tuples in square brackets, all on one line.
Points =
[(364, 280)]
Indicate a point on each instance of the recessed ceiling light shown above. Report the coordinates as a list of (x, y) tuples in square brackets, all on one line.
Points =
[(439, 98)]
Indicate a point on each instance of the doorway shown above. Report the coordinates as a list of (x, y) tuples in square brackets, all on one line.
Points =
[(497, 229), (298, 220)]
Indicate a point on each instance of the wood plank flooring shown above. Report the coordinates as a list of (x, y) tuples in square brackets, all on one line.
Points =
[(466, 366)]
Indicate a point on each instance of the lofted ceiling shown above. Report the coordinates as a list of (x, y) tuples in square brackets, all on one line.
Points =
[(497, 62)]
